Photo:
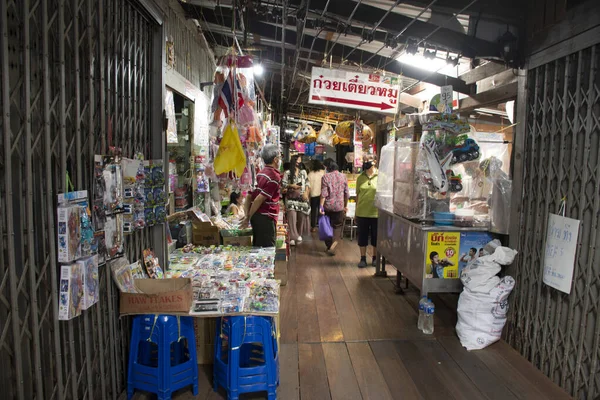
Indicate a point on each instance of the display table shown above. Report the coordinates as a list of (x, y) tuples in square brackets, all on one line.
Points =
[(409, 247)]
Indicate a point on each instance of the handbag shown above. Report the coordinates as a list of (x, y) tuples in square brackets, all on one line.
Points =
[(325, 228)]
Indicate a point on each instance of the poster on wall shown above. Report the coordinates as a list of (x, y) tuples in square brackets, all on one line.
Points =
[(471, 247), (442, 255), (368, 92), (559, 255)]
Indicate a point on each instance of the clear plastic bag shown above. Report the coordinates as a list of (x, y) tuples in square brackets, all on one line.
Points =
[(384, 197)]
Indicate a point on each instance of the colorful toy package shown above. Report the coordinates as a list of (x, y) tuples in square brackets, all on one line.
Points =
[(89, 268), (151, 265), (71, 291), (69, 233)]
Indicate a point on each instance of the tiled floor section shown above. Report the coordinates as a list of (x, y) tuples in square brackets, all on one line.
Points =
[(345, 335)]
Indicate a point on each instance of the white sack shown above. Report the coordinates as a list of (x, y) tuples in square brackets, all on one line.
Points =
[(481, 316), (480, 275)]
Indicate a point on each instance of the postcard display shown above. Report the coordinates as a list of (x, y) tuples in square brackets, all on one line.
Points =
[(128, 196), (77, 253)]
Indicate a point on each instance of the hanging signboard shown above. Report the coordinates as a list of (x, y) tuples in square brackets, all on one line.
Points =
[(559, 255), (368, 92)]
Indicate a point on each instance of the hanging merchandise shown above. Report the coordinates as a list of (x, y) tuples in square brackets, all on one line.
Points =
[(304, 133), (367, 136), (89, 270), (309, 149), (155, 198), (75, 230), (151, 265), (300, 147), (71, 291), (134, 194), (170, 115), (345, 130), (326, 135), (230, 156)]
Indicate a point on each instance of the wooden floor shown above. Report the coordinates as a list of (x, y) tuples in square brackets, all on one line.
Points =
[(345, 335)]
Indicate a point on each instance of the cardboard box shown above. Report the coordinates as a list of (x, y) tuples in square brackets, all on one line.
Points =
[(205, 235), (157, 296), (281, 271), (244, 241), (205, 331)]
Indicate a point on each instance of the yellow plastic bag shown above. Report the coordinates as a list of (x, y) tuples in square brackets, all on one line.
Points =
[(230, 156), (345, 130)]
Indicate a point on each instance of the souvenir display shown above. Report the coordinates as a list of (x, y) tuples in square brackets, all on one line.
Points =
[(89, 268), (71, 291), (155, 196), (113, 236), (75, 230), (227, 279), (151, 265), (134, 195)]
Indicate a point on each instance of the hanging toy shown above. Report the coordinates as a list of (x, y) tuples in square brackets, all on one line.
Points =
[(437, 168)]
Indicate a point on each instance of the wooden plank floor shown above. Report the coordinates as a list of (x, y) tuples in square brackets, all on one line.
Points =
[(346, 335)]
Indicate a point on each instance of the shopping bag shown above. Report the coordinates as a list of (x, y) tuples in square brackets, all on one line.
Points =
[(325, 229), (326, 135), (230, 156)]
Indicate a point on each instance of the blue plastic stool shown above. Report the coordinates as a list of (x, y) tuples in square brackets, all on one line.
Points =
[(159, 360), (246, 356)]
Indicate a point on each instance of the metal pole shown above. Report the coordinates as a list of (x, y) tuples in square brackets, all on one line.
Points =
[(284, 20), (35, 331), (587, 270), (12, 273), (50, 193)]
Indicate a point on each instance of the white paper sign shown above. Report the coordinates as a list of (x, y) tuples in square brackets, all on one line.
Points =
[(559, 255), (354, 90)]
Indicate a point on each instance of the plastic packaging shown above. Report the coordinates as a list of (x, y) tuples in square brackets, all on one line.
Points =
[(428, 319), (384, 199)]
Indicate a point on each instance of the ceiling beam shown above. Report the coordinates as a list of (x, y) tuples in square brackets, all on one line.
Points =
[(482, 72), (489, 98), (367, 15), (322, 46)]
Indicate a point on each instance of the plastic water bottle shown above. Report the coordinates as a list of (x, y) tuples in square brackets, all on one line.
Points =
[(422, 305), (428, 320)]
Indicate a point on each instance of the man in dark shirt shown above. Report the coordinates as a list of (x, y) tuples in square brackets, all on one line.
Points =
[(262, 205)]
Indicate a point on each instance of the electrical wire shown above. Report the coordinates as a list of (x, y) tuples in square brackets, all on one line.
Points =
[(346, 24), (299, 43), (310, 52), (374, 28), (412, 21), (435, 30)]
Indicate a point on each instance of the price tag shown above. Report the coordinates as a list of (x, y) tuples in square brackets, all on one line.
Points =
[(446, 97)]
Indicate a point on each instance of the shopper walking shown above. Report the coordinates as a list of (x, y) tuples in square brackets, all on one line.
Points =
[(314, 181), (366, 212), (297, 189), (334, 202), (262, 204)]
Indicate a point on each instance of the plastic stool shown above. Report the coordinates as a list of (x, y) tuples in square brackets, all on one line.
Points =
[(246, 356), (159, 360)]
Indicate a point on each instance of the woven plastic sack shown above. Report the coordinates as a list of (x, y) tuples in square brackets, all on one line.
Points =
[(230, 156), (326, 135)]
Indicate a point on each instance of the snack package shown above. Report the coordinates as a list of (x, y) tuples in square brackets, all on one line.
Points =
[(151, 265), (71, 291), (69, 232), (89, 268)]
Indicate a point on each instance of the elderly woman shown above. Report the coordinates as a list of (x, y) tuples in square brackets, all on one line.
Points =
[(262, 204), (296, 188), (334, 202)]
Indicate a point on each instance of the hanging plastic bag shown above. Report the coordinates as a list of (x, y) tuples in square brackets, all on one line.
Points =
[(325, 229), (326, 135), (231, 156), (345, 130), (367, 136)]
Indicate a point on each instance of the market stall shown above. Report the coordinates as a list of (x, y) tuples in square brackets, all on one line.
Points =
[(442, 196)]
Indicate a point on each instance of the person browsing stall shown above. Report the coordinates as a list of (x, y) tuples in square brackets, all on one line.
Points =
[(262, 204), (334, 202), (366, 212), (314, 181), (235, 205)]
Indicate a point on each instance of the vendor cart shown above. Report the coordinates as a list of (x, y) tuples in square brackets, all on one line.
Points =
[(408, 246)]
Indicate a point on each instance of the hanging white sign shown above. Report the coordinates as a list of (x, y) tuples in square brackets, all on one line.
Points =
[(350, 89), (559, 254)]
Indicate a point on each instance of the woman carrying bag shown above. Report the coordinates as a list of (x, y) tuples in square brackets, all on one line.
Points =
[(296, 188)]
